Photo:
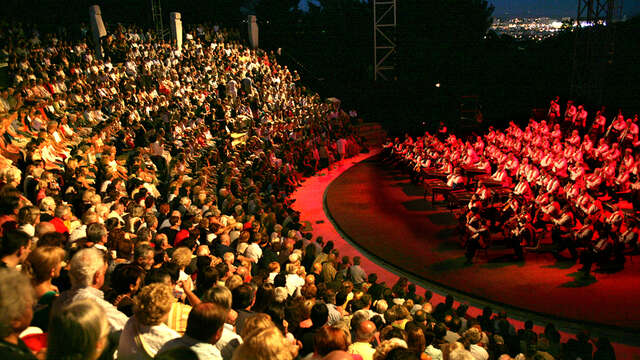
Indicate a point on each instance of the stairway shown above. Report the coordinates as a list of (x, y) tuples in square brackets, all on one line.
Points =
[(374, 133)]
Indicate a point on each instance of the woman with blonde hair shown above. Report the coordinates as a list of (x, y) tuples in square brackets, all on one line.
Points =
[(182, 257), (265, 344), (256, 322), (43, 265), (145, 332), (78, 331)]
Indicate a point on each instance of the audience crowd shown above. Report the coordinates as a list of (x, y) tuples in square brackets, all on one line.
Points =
[(144, 213), (556, 178)]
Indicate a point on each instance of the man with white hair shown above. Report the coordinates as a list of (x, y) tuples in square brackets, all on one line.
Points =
[(87, 270), (47, 208), (12, 176), (16, 312)]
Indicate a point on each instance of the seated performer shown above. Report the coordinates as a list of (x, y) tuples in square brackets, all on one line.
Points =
[(522, 234), (598, 252), (477, 234), (561, 233)]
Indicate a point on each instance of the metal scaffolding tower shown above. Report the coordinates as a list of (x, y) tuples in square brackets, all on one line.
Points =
[(593, 47), (384, 39), (156, 16)]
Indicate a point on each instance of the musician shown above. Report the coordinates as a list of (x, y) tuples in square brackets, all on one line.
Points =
[(583, 201), (601, 150), (560, 166), (471, 157), (629, 238), (574, 139), (548, 209), (630, 136), (594, 210), (446, 166), (554, 110), (502, 176), (512, 164), (442, 131), (522, 234), (479, 145), (576, 171), (552, 186), (556, 134), (456, 179), (583, 236), (616, 128), (482, 193), (484, 165), (478, 234), (572, 190), (622, 180), (614, 220), (523, 189), (561, 232), (580, 121), (587, 146), (594, 181), (627, 159), (569, 115), (613, 154), (598, 126), (532, 174), (599, 252), (422, 163), (546, 162)]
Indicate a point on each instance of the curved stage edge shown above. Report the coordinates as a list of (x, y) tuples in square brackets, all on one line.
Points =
[(314, 201)]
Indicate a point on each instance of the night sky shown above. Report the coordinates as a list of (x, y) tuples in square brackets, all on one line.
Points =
[(552, 8)]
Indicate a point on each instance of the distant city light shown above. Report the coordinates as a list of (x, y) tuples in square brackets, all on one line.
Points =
[(537, 29)]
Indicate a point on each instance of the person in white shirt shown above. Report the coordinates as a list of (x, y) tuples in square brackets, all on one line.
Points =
[(294, 281), (471, 338), (253, 251), (362, 346), (229, 339), (435, 353), (87, 270), (146, 333)]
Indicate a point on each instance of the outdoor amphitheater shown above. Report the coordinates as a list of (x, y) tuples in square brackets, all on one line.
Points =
[(183, 186)]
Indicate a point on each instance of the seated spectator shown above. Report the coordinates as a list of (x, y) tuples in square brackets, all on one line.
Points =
[(87, 271), (44, 264), (364, 335), (265, 344), (126, 280), (328, 339), (145, 333), (16, 312), (471, 339), (229, 339), (78, 331), (204, 329), (16, 247)]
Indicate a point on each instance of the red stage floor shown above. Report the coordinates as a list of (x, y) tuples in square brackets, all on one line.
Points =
[(377, 208), (381, 210)]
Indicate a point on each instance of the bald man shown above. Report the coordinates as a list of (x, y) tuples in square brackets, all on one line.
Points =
[(310, 279), (362, 346)]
